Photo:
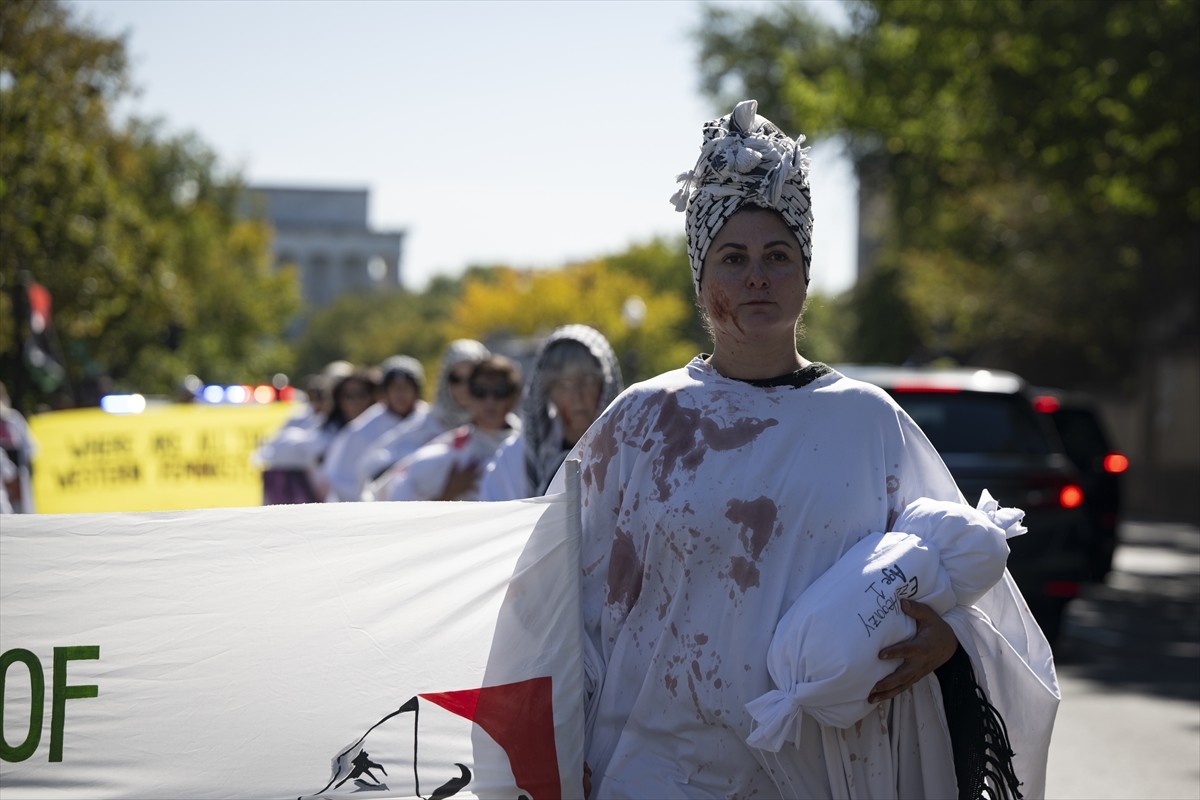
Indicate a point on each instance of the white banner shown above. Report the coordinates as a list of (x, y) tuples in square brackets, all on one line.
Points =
[(392, 649)]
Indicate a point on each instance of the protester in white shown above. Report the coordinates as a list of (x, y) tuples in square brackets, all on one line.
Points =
[(291, 459), (18, 444), (449, 467), (575, 376), (400, 408), (449, 410), (298, 444), (714, 494), (8, 483)]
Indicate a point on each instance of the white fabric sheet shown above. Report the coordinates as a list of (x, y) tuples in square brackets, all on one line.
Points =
[(294, 651)]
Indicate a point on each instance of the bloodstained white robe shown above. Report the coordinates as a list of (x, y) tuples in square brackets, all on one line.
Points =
[(708, 505)]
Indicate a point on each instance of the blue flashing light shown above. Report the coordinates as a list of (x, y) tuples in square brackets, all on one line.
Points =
[(123, 403)]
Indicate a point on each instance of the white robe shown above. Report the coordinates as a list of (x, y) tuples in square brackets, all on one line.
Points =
[(505, 476), (423, 474), (708, 505), (344, 466), (399, 443)]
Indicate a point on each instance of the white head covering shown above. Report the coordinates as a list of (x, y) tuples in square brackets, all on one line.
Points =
[(746, 160), (543, 435), (406, 366), (450, 413)]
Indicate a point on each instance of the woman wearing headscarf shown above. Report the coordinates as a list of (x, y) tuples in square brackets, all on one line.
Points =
[(449, 410), (400, 407), (714, 494), (575, 376)]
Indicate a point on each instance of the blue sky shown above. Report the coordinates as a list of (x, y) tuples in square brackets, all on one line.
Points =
[(526, 133)]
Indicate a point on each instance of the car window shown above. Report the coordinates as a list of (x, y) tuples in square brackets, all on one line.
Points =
[(1082, 435), (977, 422)]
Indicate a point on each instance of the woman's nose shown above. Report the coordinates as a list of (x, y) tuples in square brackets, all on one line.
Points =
[(757, 275)]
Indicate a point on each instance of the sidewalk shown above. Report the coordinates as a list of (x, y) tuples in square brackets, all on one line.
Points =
[(1129, 669)]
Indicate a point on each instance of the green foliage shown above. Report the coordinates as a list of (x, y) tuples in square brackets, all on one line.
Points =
[(646, 327), (826, 328), (367, 328), (133, 233), (641, 299), (1038, 162), (663, 263)]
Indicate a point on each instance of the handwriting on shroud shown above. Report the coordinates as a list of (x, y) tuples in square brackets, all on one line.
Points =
[(896, 586)]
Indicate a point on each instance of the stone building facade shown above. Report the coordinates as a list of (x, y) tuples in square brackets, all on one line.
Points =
[(325, 233)]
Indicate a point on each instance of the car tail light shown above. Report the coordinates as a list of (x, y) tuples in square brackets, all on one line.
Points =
[(1045, 404), (1070, 496), (1061, 588), (1115, 463), (920, 388)]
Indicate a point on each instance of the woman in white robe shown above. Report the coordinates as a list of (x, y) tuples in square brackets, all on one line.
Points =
[(399, 408), (447, 412), (575, 376), (714, 494)]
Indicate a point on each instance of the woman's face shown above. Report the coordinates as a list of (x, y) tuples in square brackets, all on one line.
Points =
[(491, 397), (752, 286), (400, 395), (458, 376), (575, 394), (354, 397)]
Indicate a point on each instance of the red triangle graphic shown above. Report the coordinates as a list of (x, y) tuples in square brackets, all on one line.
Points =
[(520, 718)]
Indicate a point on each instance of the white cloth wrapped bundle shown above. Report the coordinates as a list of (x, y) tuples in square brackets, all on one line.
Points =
[(824, 656)]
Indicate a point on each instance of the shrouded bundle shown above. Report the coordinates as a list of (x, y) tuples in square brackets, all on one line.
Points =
[(824, 657)]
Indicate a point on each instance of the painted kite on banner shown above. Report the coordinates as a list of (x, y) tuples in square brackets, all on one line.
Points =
[(427, 650)]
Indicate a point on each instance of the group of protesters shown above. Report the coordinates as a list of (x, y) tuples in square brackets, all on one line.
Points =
[(489, 432)]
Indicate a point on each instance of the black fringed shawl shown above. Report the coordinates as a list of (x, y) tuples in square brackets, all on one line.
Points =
[(982, 755)]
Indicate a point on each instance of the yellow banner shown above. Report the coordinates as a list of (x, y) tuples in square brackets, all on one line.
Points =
[(168, 457)]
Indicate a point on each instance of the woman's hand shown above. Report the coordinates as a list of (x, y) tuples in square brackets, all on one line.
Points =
[(461, 480), (931, 646)]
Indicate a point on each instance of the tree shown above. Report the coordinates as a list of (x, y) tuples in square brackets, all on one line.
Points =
[(1037, 159), (366, 328), (646, 327), (133, 234)]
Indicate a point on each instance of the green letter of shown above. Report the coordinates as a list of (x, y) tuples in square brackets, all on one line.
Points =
[(37, 701), (63, 693)]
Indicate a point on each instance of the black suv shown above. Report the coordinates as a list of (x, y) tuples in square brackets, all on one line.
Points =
[(984, 425), (1077, 419)]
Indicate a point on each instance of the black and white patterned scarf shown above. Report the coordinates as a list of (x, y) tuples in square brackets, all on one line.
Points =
[(745, 160)]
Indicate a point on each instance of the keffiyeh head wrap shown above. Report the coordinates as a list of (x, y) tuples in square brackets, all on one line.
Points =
[(543, 435), (746, 160), (450, 413)]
